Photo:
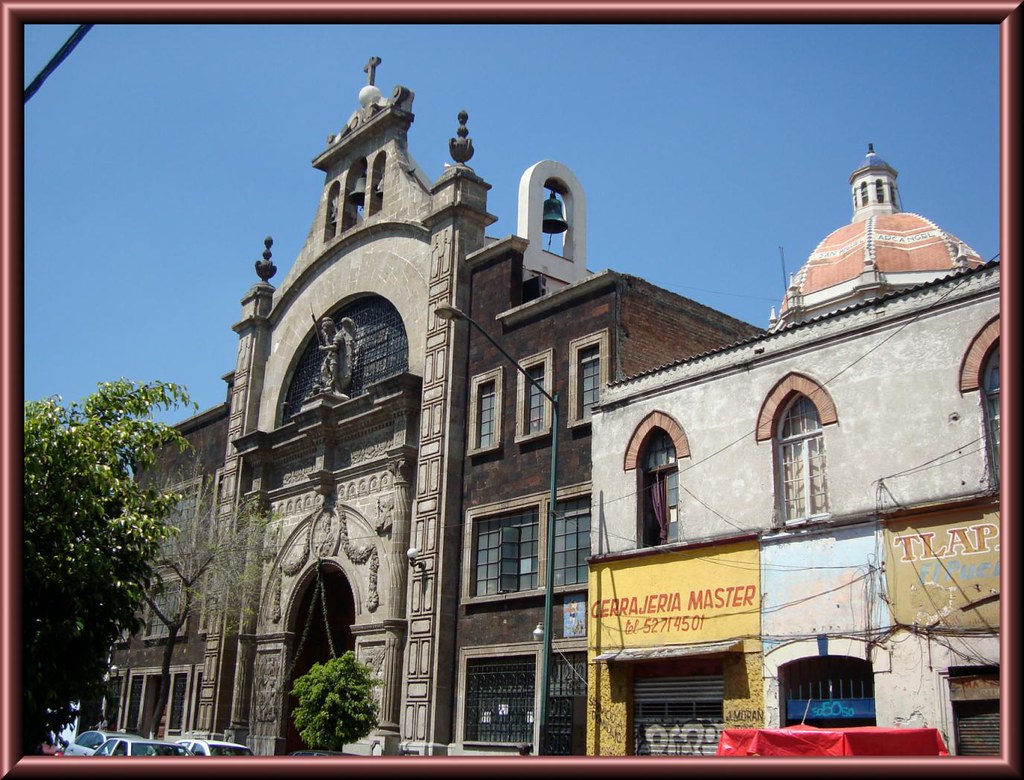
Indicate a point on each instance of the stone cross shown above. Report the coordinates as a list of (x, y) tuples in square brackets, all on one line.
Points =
[(371, 69)]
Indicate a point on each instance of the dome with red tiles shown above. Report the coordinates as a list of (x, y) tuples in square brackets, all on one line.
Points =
[(883, 249)]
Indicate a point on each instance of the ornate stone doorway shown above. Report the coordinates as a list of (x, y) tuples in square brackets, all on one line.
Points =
[(312, 644)]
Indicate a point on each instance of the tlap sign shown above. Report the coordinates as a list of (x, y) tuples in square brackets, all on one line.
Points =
[(945, 570), (685, 596)]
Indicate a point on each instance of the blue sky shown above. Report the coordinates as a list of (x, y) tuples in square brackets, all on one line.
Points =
[(158, 157)]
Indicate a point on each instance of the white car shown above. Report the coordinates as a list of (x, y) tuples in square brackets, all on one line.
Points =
[(213, 747), (129, 745), (85, 744)]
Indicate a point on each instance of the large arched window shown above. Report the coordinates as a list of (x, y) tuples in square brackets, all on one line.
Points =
[(800, 455), (828, 691), (990, 391), (381, 351), (660, 491)]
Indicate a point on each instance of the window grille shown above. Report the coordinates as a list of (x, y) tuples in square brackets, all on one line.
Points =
[(134, 703), (499, 700), (506, 553), (572, 541), (178, 702), (566, 703), (381, 351), (113, 703)]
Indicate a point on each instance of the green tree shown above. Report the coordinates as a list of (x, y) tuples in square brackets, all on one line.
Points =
[(90, 534), (336, 705)]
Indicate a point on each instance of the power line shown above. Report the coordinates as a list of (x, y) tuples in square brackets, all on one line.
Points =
[(57, 59)]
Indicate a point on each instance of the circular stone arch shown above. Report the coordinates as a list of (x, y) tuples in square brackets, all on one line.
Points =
[(790, 385), (640, 434), (312, 646), (977, 353)]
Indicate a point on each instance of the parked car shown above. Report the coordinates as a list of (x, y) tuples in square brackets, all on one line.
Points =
[(129, 745), (85, 744), (212, 747)]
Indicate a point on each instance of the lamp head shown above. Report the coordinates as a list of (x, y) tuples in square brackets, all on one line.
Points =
[(450, 313), (538, 633)]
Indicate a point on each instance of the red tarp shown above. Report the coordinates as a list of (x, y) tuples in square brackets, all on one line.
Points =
[(811, 741)]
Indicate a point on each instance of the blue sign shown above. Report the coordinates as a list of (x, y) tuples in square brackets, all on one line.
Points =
[(817, 709)]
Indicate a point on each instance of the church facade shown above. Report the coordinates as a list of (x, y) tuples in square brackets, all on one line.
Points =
[(403, 459)]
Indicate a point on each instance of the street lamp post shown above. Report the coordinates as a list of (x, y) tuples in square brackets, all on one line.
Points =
[(450, 313)]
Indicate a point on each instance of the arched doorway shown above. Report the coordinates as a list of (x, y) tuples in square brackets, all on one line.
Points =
[(828, 691), (311, 643)]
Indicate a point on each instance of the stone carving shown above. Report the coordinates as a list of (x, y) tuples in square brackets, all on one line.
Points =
[(322, 538), (295, 558), (268, 670), (372, 446), (385, 513), (338, 347), (373, 657), (275, 602), (367, 554)]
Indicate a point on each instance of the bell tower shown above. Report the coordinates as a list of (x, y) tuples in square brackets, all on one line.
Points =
[(542, 188)]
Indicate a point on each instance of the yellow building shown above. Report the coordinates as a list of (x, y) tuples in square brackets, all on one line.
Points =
[(673, 648)]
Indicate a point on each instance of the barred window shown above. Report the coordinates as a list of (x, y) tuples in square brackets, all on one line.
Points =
[(178, 702), (499, 700), (134, 703), (572, 541), (506, 553), (381, 351)]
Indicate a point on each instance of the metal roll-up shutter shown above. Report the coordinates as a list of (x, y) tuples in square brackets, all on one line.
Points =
[(977, 727), (677, 716)]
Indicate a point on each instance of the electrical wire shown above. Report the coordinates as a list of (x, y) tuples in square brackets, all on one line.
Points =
[(57, 59)]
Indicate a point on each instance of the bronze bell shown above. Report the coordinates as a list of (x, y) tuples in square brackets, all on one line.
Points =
[(358, 195), (554, 216)]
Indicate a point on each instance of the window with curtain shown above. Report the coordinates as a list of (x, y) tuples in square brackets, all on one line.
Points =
[(990, 391), (660, 491), (803, 490)]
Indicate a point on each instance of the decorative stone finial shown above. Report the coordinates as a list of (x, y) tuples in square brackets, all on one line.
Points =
[(461, 148), (265, 268)]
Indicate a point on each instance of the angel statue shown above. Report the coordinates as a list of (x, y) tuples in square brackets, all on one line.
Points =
[(338, 346)]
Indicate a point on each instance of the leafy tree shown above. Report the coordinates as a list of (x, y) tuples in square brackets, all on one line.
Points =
[(336, 705), (211, 561), (90, 533)]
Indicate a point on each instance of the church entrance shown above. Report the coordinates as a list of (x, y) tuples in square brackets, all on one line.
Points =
[(311, 632)]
